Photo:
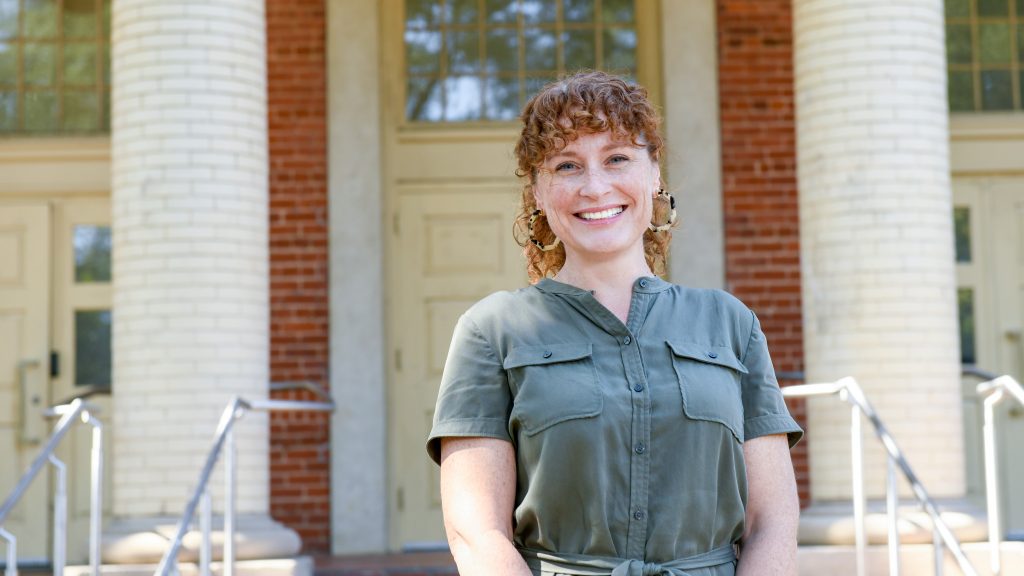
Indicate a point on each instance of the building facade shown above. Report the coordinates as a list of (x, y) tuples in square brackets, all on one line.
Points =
[(200, 198)]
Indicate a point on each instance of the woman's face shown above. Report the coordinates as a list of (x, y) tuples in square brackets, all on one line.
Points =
[(597, 194)]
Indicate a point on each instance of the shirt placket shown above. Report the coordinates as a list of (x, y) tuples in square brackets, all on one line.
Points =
[(640, 429)]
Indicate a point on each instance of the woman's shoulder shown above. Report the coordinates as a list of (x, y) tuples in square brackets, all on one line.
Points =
[(710, 298), (499, 308)]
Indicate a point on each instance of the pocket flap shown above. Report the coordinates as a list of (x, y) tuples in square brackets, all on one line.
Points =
[(538, 355), (720, 355)]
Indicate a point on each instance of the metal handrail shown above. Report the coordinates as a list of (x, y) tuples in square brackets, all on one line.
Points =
[(224, 440), (77, 409), (993, 391), (851, 392)]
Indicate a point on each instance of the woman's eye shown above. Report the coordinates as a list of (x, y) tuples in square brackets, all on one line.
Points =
[(565, 167), (618, 159)]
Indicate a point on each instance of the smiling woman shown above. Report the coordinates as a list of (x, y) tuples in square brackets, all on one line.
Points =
[(604, 421)]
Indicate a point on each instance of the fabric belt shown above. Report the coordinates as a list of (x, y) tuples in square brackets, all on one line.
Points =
[(583, 565)]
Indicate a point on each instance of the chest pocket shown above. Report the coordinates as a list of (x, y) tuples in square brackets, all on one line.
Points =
[(553, 384), (709, 380)]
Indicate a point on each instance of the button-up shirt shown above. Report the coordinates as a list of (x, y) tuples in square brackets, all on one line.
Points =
[(628, 437)]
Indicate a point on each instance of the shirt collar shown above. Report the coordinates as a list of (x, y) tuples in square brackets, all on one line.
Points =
[(644, 284)]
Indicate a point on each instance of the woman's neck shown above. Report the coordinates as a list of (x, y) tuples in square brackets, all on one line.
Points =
[(610, 282)]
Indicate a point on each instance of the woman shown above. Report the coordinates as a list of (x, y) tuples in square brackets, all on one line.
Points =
[(602, 420)]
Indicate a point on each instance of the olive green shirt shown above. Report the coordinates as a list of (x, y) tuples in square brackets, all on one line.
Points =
[(628, 438)]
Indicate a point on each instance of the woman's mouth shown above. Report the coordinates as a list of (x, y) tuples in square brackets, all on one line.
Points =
[(604, 214)]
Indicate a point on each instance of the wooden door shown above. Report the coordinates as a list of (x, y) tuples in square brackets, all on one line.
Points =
[(455, 76), (24, 370)]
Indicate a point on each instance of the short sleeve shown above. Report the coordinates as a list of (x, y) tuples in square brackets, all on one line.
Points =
[(474, 398), (764, 410)]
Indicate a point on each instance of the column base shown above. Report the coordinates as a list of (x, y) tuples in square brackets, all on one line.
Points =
[(144, 540), (831, 523)]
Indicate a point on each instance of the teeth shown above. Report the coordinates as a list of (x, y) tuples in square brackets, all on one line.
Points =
[(602, 214)]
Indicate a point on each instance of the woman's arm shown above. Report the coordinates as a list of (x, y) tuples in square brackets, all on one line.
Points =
[(478, 489), (768, 546)]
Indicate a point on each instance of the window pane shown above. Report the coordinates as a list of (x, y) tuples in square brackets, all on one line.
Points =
[(106, 19), (463, 11), (463, 52), (501, 10), (996, 90), (463, 98), (424, 99), (502, 98), (92, 347), (535, 83), (541, 49), (422, 51), (578, 10), (8, 111), (536, 11), (994, 43), (421, 13), (81, 111), (40, 18), (92, 253), (958, 43), (80, 19), (80, 64), (957, 9), (8, 18), (8, 64), (39, 64), (503, 50), (578, 49), (993, 8), (617, 11), (1020, 41), (40, 111), (966, 308), (962, 233), (961, 91), (620, 49)]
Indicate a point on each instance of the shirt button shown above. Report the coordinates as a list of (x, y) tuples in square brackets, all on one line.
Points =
[(638, 388), (627, 340), (643, 283), (712, 355), (638, 515), (639, 449), (547, 353)]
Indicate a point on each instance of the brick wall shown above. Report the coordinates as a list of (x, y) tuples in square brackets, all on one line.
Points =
[(762, 248), (297, 84)]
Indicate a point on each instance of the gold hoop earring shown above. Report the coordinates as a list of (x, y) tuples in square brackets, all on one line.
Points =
[(662, 194), (540, 245)]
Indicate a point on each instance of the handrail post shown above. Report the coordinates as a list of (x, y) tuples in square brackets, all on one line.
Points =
[(229, 503), (96, 497), (859, 505), (937, 549), (12, 552), (992, 481), (60, 517), (205, 526), (892, 507)]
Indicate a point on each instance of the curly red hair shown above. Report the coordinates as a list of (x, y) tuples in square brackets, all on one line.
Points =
[(556, 115)]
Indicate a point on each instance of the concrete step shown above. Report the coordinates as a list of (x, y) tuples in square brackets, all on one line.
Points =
[(298, 566), (915, 560)]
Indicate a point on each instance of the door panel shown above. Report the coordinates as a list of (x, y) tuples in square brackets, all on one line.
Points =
[(452, 249), (24, 354)]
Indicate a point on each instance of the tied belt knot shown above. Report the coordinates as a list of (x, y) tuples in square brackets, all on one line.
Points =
[(583, 565)]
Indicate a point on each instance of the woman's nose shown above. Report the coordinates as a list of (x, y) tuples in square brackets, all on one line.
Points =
[(595, 183)]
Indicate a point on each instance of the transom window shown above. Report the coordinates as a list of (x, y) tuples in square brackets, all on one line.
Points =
[(469, 60), (54, 66), (984, 51)]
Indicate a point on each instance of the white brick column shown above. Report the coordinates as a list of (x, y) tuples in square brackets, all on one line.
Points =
[(190, 257), (879, 286)]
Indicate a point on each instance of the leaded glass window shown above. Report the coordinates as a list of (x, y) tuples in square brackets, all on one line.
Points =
[(472, 60), (54, 67), (984, 52)]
